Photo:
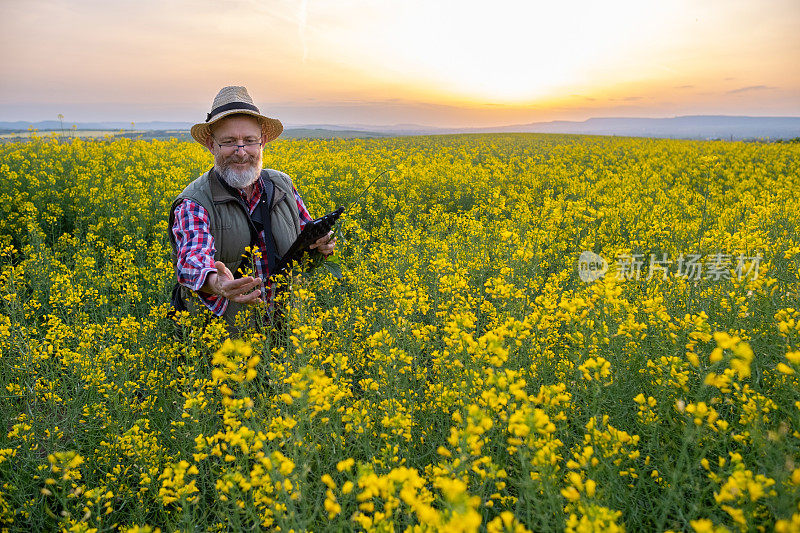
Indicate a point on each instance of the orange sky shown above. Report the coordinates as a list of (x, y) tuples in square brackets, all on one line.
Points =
[(445, 63)]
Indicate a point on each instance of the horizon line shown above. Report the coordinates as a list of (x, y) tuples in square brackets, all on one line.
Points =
[(418, 125)]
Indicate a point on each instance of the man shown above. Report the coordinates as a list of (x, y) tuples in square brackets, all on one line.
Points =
[(233, 206)]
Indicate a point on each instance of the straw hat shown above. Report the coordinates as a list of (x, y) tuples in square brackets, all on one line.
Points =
[(232, 100)]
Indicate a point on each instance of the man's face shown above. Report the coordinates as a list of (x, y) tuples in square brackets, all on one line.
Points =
[(238, 166)]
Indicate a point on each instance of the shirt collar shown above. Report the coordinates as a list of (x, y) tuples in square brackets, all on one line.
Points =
[(258, 188)]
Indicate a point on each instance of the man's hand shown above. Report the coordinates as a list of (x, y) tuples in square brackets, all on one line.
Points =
[(239, 290), (325, 244)]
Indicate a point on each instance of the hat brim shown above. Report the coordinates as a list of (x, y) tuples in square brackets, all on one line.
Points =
[(271, 127)]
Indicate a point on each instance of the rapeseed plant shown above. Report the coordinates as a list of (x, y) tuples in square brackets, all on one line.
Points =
[(460, 375)]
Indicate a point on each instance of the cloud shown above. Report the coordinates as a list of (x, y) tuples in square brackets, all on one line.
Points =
[(625, 99), (751, 88), (684, 87)]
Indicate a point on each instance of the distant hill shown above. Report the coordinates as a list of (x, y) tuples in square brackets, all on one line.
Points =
[(166, 130), (54, 125), (288, 133), (322, 133), (683, 127)]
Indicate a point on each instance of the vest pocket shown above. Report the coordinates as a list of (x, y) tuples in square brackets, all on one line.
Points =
[(230, 245), (230, 231), (221, 224)]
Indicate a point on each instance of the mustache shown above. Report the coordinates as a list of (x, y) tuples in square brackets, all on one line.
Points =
[(238, 159)]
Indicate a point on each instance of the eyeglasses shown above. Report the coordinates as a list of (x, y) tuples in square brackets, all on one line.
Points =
[(232, 146)]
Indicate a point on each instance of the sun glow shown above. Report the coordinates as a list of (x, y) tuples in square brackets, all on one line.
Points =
[(477, 54)]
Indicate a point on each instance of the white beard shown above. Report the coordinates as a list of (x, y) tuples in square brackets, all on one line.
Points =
[(240, 179)]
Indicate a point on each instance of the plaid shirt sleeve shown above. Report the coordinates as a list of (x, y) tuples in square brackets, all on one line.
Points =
[(195, 252), (301, 207)]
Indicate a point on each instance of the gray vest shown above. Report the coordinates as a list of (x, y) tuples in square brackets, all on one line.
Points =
[(231, 226)]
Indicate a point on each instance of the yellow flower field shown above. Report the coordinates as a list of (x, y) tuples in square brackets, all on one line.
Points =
[(472, 369)]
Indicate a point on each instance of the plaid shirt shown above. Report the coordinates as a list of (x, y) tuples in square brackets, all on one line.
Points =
[(196, 245)]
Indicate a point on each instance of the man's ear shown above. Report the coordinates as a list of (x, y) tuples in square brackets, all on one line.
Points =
[(210, 144)]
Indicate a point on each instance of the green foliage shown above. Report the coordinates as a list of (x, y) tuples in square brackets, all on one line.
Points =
[(453, 371)]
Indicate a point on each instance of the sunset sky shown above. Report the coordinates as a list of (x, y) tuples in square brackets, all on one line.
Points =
[(437, 63)]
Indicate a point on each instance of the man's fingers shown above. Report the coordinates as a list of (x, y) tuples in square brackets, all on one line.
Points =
[(239, 291), (325, 239), (222, 271), (327, 248), (233, 289), (248, 298), (325, 244), (248, 293), (234, 284)]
